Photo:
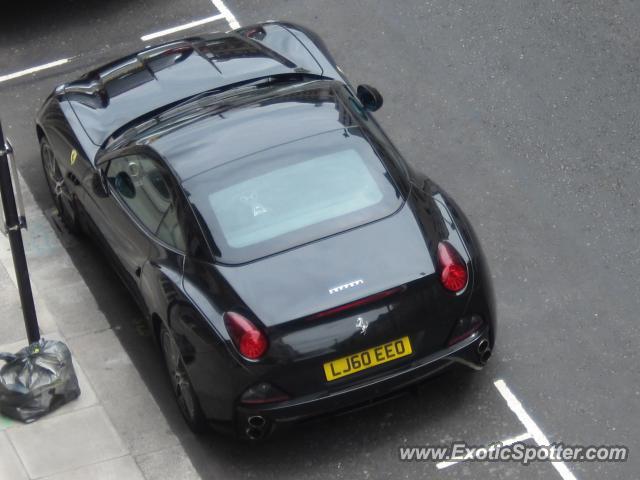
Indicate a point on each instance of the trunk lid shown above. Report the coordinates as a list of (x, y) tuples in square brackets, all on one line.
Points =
[(333, 271)]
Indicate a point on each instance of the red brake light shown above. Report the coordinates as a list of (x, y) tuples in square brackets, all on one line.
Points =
[(453, 270), (248, 339)]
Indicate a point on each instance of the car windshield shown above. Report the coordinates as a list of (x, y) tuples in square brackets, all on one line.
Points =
[(293, 194)]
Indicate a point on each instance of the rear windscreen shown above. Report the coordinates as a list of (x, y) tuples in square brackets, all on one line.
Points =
[(292, 194)]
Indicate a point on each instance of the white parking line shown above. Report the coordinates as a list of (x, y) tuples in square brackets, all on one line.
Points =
[(21, 73), (504, 443), (222, 8), (225, 13), (532, 429), (186, 26)]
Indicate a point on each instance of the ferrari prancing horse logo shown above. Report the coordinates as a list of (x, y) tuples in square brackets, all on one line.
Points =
[(362, 324), (74, 156)]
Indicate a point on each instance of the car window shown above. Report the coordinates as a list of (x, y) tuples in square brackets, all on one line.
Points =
[(293, 194), (145, 188), (293, 197), (170, 230)]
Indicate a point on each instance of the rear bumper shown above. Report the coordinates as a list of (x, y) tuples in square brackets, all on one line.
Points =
[(255, 422)]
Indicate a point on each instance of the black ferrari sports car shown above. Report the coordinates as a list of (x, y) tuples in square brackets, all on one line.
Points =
[(290, 263)]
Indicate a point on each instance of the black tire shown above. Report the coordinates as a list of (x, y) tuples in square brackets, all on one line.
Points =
[(186, 397), (55, 181)]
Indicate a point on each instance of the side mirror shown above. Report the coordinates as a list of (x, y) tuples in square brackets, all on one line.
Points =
[(99, 184), (370, 97)]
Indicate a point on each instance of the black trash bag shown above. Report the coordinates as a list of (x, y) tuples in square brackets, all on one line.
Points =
[(37, 380)]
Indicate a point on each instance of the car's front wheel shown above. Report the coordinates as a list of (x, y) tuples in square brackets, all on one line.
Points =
[(182, 388), (57, 188)]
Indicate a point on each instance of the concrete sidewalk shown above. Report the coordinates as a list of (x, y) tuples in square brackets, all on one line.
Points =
[(115, 430)]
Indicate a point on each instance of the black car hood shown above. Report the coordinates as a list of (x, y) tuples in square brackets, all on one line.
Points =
[(111, 97), (297, 283)]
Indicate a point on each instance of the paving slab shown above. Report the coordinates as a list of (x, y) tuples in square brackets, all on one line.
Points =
[(123, 393), (123, 468), (76, 311), (10, 330), (168, 464), (10, 466), (56, 444)]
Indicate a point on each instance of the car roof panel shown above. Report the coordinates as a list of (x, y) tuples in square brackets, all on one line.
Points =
[(217, 138)]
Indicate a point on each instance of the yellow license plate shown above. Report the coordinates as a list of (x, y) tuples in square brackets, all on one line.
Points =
[(368, 358)]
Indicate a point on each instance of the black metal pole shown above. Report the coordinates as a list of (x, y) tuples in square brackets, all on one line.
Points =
[(17, 247)]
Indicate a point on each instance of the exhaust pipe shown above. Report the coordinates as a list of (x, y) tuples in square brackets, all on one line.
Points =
[(257, 421), (484, 358), (484, 351), (255, 430)]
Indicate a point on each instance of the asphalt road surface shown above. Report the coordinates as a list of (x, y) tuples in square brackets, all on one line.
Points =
[(527, 112)]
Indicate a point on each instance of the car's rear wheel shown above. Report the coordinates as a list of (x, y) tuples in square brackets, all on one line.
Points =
[(57, 188), (181, 384)]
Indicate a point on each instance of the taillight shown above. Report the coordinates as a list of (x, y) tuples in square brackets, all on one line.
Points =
[(453, 270), (250, 341)]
